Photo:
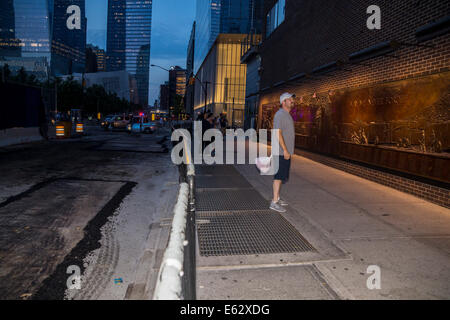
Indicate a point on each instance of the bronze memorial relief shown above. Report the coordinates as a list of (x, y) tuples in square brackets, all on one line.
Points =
[(403, 125)]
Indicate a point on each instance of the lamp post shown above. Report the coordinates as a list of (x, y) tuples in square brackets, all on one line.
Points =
[(203, 84), (204, 87), (171, 68), (56, 88)]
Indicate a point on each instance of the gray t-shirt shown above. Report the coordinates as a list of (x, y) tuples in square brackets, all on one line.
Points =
[(283, 120)]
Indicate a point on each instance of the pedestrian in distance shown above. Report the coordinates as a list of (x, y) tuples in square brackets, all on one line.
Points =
[(210, 119), (206, 124), (286, 136), (217, 123), (223, 123)]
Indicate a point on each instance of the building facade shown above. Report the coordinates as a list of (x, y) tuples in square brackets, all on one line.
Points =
[(241, 16), (128, 41), (250, 57), (91, 60), (100, 57), (224, 16), (190, 80), (222, 76), (375, 96), (9, 43), (37, 67), (68, 46), (119, 82), (177, 89), (177, 81), (164, 96), (207, 21), (36, 29)]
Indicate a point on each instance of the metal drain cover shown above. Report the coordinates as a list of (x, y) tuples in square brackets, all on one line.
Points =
[(221, 182), (230, 200), (216, 170), (248, 233)]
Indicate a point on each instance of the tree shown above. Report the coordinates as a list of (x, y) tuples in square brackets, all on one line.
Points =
[(71, 94), (91, 61), (22, 75), (6, 72)]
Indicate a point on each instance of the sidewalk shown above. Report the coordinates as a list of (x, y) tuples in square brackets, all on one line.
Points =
[(248, 252)]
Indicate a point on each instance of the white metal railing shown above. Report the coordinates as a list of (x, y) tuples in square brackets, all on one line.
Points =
[(169, 282)]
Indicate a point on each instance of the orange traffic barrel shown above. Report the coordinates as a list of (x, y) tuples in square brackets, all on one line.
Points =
[(63, 129), (79, 128), (60, 132)]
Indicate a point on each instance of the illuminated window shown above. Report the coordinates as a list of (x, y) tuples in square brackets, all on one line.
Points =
[(275, 17)]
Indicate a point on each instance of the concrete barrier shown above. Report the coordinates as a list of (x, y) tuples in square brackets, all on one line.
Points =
[(19, 135)]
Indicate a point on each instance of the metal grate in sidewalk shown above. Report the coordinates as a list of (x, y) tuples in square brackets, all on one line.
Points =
[(229, 200), (222, 182), (247, 233), (216, 170)]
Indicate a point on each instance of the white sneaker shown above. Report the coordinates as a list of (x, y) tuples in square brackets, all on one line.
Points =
[(275, 206), (282, 202)]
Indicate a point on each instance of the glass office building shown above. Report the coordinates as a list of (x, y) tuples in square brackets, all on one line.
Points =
[(34, 35), (224, 16), (207, 28), (223, 78), (128, 41), (68, 46)]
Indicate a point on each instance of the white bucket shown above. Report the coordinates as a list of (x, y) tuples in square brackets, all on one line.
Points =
[(263, 164)]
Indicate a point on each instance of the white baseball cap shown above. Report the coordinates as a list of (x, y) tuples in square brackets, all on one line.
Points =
[(285, 96)]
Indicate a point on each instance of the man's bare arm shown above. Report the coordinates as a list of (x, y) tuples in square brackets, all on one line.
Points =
[(283, 144)]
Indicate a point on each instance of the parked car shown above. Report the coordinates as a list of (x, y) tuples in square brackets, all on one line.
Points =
[(106, 122), (120, 123), (142, 124)]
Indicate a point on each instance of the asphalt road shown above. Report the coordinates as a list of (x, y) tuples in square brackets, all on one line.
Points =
[(100, 203)]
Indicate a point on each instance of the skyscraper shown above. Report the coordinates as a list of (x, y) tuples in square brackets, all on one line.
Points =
[(177, 81), (189, 95), (36, 30), (164, 96), (100, 57), (91, 60), (9, 44), (115, 38), (224, 16), (207, 28), (190, 53), (128, 41), (68, 46)]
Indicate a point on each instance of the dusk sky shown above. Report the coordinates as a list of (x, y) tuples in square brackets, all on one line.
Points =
[(171, 28)]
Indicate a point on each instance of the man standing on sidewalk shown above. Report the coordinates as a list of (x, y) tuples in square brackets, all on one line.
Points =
[(286, 137)]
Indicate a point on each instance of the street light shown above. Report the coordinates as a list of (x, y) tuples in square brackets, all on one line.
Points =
[(154, 65), (171, 68), (205, 89)]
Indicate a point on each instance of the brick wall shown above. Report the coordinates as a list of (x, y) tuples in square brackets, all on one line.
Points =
[(317, 32)]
